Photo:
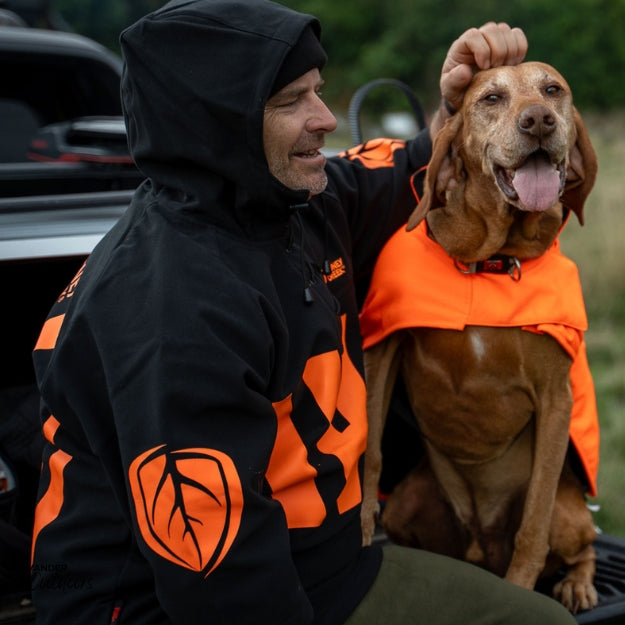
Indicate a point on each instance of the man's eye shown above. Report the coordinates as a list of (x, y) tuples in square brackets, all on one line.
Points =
[(288, 101)]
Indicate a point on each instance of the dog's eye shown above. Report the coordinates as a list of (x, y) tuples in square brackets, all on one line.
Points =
[(553, 90), (491, 98)]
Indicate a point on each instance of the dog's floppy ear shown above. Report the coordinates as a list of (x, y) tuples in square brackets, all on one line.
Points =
[(444, 169), (581, 172)]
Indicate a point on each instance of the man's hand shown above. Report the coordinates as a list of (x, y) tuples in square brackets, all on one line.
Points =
[(479, 48), (489, 46)]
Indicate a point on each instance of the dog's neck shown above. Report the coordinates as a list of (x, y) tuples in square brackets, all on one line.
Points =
[(468, 238)]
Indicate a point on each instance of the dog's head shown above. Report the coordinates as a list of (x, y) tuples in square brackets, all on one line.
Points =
[(506, 164)]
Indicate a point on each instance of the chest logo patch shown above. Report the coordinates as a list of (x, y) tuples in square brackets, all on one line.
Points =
[(337, 269)]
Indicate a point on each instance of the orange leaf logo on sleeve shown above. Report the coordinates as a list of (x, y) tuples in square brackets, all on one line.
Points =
[(188, 503)]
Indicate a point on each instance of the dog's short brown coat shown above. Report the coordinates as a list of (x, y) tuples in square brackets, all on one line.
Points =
[(495, 487)]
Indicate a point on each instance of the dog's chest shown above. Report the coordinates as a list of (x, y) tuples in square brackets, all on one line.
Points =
[(474, 391)]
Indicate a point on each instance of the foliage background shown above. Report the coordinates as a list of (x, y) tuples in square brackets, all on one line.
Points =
[(408, 40)]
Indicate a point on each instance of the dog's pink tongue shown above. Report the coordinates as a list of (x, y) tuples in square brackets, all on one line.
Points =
[(537, 183)]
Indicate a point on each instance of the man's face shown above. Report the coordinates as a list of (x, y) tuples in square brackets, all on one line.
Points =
[(295, 122)]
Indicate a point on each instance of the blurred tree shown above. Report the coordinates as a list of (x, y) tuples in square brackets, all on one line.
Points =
[(102, 21), (408, 39)]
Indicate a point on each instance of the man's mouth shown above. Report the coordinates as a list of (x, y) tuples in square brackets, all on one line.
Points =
[(536, 184), (307, 154)]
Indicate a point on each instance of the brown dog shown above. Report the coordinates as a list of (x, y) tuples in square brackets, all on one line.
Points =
[(493, 404)]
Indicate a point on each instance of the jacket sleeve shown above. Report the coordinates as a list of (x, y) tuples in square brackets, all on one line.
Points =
[(378, 185), (195, 465), (167, 403)]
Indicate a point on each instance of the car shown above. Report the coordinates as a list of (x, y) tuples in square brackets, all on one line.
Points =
[(48, 77), (60, 115), (65, 178)]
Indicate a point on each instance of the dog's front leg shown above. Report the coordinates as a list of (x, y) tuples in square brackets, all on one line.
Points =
[(381, 367), (531, 544)]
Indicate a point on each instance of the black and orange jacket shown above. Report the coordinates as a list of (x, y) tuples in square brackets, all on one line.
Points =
[(205, 424), (416, 284)]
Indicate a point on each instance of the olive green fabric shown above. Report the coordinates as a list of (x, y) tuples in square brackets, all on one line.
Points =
[(416, 587)]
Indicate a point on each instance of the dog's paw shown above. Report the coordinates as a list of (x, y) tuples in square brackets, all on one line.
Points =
[(576, 595)]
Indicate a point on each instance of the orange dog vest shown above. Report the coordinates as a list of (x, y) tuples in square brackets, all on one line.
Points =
[(416, 284)]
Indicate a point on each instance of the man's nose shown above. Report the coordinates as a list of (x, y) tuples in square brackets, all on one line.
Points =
[(322, 118)]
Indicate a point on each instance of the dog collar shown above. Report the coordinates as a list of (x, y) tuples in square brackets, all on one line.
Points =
[(498, 263)]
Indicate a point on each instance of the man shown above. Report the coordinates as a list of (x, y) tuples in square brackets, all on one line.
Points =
[(203, 396)]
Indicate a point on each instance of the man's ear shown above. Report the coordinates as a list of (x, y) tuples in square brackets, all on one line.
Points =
[(582, 171), (444, 169)]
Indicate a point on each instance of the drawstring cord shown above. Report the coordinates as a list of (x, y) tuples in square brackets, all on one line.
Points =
[(309, 298), (325, 267)]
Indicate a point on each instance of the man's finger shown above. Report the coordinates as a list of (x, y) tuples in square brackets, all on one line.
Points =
[(507, 46)]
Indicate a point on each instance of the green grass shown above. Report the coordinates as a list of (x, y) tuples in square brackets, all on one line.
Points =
[(598, 249)]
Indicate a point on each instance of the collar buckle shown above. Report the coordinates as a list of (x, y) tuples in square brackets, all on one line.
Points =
[(498, 263)]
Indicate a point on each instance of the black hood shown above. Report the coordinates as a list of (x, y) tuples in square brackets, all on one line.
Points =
[(196, 78)]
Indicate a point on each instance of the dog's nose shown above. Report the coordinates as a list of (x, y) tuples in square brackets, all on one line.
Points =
[(537, 120)]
